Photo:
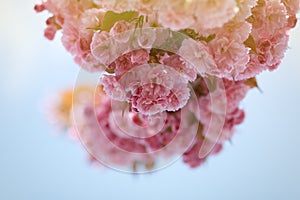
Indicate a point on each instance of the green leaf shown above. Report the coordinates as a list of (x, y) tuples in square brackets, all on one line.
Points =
[(189, 32), (250, 42), (194, 35), (110, 18), (252, 83), (207, 39)]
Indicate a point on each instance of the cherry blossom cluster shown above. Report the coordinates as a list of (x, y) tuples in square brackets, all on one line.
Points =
[(122, 138), (171, 65)]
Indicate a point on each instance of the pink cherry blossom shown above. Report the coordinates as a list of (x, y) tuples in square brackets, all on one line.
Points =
[(110, 146), (292, 6), (150, 89), (174, 19), (144, 109), (231, 57), (197, 55), (218, 105), (177, 63), (191, 156), (140, 56), (253, 68), (214, 14), (50, 32), (103, 48), (245, 7), (113, 88)]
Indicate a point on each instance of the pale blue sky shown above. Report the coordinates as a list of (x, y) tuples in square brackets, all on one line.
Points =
[(262, 162)]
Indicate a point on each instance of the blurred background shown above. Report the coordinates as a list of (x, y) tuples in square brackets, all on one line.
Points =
[(36, 162)]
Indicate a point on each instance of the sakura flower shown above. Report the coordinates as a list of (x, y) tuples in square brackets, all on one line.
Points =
[(292, 6), (276, 16), (197, 55), (235, 93), (123, 64), (191, 157), (231, 57), (213, 14), (50, 32), (175, 16), (107, 143), (177, 63), (140, 56), (244, 9), (103, 48), (161, 89), (128, 61), (151, 89), (272, 49), (223, 103), (269, 17), (113, 88), (90, 21), (149, 115), (253, 68), (233, 30)]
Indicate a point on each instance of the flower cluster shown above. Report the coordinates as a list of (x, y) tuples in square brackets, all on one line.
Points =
[(154, 57), (120, 137)]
